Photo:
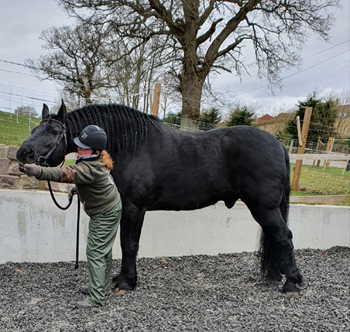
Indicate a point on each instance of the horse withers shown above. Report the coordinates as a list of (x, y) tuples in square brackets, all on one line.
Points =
[(157, 167)]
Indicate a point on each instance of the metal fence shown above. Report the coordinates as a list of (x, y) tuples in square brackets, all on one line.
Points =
[(15, 128), (340, 146)]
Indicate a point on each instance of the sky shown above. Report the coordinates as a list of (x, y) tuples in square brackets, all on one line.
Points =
[(325, 67)]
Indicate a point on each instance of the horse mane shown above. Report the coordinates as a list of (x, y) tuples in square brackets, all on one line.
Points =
[(126, 128)]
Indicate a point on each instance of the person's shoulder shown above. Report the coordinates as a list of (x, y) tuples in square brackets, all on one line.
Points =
[(82, 166), (93, 165)]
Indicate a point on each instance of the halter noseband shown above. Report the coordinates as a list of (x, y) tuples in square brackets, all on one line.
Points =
[(42, 160)]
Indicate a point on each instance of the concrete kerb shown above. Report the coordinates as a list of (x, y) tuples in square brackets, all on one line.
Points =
[(32, 229)]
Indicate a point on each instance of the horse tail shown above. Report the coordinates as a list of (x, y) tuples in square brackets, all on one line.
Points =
[(284, 205), (270, 253)]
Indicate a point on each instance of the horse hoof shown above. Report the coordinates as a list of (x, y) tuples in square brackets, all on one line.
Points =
[(291, 293), (119, 291), (289, 289)]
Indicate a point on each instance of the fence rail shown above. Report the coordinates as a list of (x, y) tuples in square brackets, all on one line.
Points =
[(320, 156)]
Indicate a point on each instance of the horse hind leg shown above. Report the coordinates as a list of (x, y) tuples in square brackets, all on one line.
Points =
[(277, 250)]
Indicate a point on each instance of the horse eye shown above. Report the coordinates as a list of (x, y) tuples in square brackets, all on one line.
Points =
[(55, 132)]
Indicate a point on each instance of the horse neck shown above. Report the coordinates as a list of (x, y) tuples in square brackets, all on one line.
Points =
[(72, 131), (126, 130)]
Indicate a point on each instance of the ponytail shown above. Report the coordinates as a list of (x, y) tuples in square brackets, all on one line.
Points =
[(106, 159)]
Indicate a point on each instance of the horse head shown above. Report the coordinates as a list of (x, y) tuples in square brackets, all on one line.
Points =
[(48, 141)]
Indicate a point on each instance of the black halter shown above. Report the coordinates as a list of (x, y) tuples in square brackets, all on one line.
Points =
[(42, 160)]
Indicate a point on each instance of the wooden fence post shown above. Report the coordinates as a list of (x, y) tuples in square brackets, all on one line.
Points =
[(156, 97), (299, 131), (301, 149), (329, 148)]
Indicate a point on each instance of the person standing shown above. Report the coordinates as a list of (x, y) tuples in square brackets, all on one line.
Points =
[(101, 201)]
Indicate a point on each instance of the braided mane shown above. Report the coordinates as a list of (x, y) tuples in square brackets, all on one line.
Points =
[(126, 128)]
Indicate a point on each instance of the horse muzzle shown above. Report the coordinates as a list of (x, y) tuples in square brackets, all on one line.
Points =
[(25, 155)]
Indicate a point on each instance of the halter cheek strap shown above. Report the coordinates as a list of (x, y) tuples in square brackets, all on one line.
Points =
[(42, 159)]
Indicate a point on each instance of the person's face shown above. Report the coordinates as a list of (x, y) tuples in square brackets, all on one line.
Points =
[(84, 152)]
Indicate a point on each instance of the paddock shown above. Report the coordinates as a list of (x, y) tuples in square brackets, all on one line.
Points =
[(188, 293), (200, 273)]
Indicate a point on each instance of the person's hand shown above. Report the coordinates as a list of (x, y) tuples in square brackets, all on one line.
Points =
[(32, 170), (71, 193)]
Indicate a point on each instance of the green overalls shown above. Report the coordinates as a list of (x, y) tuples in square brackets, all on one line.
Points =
[(101, 200)]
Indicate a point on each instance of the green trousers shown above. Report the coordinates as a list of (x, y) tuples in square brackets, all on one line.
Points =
[(102, 233)]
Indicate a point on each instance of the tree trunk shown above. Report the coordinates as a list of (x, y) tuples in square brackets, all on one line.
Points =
[(191, 83), (86, 93), (191, 89)]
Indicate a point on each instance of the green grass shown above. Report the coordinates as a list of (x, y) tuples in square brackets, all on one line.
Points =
[(319, 181), (316, 181), (14, 130)]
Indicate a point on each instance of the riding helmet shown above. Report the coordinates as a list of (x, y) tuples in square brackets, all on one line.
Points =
[(92, 137)]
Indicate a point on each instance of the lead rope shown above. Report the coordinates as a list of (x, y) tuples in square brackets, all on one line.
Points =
[(65, 208)]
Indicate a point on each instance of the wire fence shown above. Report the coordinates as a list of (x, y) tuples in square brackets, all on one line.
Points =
[(14, 127), (311, 147)]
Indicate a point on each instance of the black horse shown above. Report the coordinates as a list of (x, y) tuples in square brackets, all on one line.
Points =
[(157, 167)]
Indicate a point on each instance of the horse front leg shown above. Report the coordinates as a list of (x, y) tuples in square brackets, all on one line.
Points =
[(130, 231)]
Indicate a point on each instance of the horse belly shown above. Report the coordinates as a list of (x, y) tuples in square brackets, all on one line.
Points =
[(190, 190)]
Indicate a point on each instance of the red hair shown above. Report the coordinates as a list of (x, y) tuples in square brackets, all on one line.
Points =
[(106, 159)]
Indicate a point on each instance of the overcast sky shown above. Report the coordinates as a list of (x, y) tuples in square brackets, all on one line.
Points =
[(326, 65)]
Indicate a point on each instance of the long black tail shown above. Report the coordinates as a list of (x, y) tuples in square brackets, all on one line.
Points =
[(270, 253), (284, 206)]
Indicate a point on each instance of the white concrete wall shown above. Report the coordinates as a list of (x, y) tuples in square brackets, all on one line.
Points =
[(33, 229)]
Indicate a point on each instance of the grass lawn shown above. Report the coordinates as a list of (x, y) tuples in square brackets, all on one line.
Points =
[(14, 130), (318, 181)]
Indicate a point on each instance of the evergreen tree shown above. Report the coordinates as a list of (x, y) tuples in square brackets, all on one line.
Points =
[(323, 117), (173, 119), (209, 118), (240, 116)]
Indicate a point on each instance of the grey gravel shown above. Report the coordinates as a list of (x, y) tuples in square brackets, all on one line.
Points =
[(192, 293)]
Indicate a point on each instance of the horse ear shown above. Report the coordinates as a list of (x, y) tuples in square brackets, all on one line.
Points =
[(45, 112), (61, 115)]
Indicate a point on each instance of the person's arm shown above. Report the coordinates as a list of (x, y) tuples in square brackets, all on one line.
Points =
[(79, 174), (82, 174), (42, 173), (46, 173)]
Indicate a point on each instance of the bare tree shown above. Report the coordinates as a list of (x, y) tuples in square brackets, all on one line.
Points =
[(26, 110), (93, 63), (137, 71), (209, 35), (79, 57)]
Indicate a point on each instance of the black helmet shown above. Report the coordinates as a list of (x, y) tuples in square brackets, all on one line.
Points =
[(92, 137)]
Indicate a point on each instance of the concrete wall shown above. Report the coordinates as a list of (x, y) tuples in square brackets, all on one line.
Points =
[(33, 229)]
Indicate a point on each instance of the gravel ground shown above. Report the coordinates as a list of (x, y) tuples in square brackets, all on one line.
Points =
[(192, 293)]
